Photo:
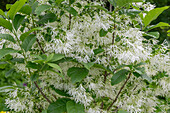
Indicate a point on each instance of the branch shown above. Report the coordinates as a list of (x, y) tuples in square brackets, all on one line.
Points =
[(42, 92), (69, 27), (119, 93)]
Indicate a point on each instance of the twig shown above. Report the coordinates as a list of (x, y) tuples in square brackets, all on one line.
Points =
[(119, 93), (42, 92), (110, 7), (69, 27), (40, 46), (105, 76)]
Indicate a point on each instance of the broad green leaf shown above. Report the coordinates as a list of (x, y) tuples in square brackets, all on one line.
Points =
[(34, 77), (26, 10), (102, 32), (8, 73), (15, 8), (33, 65), (160, 24), (122, 111), (60, 74), (50, 57), (8, 6), (44, 111), (57, 57), (6, 51), (152, 34), (88, 65), (24, 35), (71, 10), (153, 14), (77, 74), (55, 66), (18, 20), (73, 107), (37, 56), (3, 65), (6, 24), (119, 76), (140, 64), (42, 8), (28, 42), (6, 89), (121, 3), (97, 51), (141, 71), (59, 106), (7, 37), (34, 6), (49, 17), (60, 92), (2, 13)]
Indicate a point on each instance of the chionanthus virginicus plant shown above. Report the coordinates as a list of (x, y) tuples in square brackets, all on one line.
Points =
[(76, 56)]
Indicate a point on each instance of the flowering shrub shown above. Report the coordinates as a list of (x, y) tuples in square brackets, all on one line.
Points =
[(77, 57)]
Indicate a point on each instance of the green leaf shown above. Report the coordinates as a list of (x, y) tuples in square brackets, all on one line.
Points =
[(57, 57), (7, 37), (55, 66), (160, 24), (102, 67), (18, 20), (140, 64), (26, 10), (122, 111), (121, 3), (34, 77), (24, 35), (102, 32), (73, 107), (98, 7), (50, 57), (71, 10), (33, 65), (3, 65), (71, 1), (88, 65), (77, 74), (152, 34), (58, 107), (119, 76), (6, 51), (34, 6), (8, 6), (153, 14), (15, 8), (2, 13), (60, 92), (6, 89), (97, 51), (42, 8), (8, 73), (49, 17), (28, 42), (6, 24), (58, 2)]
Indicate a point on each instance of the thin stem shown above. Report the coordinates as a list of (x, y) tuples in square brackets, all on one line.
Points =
[(42, 92), (110, 7), (40, 46), (69, 27), (119, 93)]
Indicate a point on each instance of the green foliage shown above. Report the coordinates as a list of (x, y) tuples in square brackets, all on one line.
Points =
[(17, 21), (119, 76), (102, 32), (49, 17), (152, 34), (153, 14), (73, 107), (72, 11), (7, 37), (60, 92), (6, 24), (42, 8), (77, 74), (6, 51), (26, 9)]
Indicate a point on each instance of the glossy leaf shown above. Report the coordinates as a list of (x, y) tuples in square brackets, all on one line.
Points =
[(73, 107), (2, 13), (119, 76), (24, 35), (88, 65), (55, 66), (42, 8), (103, 33), (77, 74), (26, 10), (57, 57), (15, 8), (6, 24), (18, 20), (153, 14), (72, 11), (6, 51), (160, 24), (60, 92), (152, 34), (97, 51), (28, 42), (7, 37), (49, 17), (59, 106)]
